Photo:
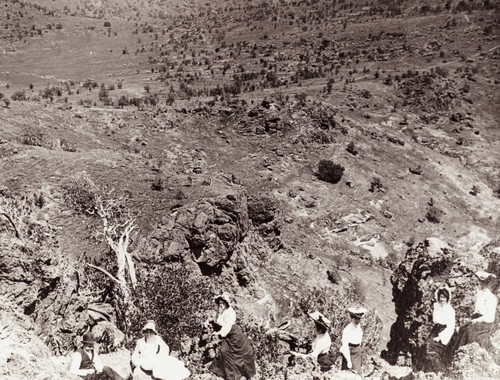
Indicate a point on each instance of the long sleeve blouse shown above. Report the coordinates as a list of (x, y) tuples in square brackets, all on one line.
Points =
[(226, 320), (486, 305), (352, 334), (444, 315), (321, 345), (146, 354)]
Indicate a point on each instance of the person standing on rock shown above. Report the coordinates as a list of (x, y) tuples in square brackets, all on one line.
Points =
[(86, 362), (482, 325), (352, 336), (320, 349), (443, 317), (152, 360), (235, 356)]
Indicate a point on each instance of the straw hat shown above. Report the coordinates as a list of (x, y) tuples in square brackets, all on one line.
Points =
[(482, 275), (357, 312), (150, 325), (320, 319)]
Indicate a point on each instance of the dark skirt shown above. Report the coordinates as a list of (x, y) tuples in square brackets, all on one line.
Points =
[(235, 357), (437, 355), (326, 361), (475, 332), (356, 359)]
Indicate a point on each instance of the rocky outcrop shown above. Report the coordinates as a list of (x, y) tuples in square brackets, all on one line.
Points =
[(206, 231), (426, 267)]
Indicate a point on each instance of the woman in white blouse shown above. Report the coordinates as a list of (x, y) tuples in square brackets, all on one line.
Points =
[(481, 325), (443, 317), (152, 360), (320, 348), (352, 336), (235, 356)]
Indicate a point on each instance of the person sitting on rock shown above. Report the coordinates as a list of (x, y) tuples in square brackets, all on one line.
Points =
[(86, 362), (352, 336), (152, 360), (234, 358), (481, 326), (320, 349), (443, 317)]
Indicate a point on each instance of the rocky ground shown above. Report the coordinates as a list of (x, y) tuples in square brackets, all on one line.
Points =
[(224, 192)]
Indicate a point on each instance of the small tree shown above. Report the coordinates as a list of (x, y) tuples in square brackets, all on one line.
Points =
[(329, 171)]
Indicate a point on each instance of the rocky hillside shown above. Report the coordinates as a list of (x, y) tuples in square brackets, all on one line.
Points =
[(299, 155)]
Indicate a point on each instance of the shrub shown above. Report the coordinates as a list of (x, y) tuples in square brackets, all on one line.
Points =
[(434, 214), (329, 171), (34, 137), (107, 24), (18, 95), (175, 298), (351, 148)]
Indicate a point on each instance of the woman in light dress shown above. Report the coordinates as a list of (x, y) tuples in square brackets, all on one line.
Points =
[(152, 360)]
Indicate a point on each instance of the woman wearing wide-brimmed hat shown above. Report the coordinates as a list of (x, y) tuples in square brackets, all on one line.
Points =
[(482, 325), (320, 348), (152, 360), (437, 353), (235, 356), (352, 336)]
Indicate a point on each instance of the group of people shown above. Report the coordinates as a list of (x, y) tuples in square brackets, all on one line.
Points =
[(350, 349), (151, 358), (444, 340)]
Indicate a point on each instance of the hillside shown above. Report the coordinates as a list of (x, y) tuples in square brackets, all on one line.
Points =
[(203, 125)]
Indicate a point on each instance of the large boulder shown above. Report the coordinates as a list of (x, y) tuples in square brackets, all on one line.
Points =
[(207, 231), (426, 267)]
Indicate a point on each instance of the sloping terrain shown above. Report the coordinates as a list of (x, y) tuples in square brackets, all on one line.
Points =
[(208, 123)]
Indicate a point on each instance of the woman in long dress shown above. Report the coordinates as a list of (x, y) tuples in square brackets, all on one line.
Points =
[(443, 317), (352, 336), (152, 360), (320, 349), (235, 356), (482, 323)]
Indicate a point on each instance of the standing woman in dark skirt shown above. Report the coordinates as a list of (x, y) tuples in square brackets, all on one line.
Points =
[(235, 356), (352, 336)]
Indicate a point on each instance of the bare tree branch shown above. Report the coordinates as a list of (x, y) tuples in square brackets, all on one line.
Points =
[(18, 234), (105, 272)]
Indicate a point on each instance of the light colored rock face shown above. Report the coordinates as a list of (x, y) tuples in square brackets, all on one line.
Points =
[(23, 355)]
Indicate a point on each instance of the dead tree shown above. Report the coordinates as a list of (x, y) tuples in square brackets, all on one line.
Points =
[(16, 211)]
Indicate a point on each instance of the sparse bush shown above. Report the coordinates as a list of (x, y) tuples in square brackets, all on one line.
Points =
[(329, 171), (158, 184), (351, 148), (18, 95), (376, 184), (107, 24), (475, 190), (34, 137), (434, 214)]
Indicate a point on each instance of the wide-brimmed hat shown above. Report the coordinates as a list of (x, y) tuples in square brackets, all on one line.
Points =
[(88, 338), (320, 319), (440, 290), (150, 325), (482, 275), (357, 312), (224, 296)]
